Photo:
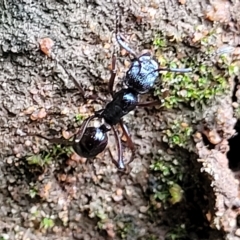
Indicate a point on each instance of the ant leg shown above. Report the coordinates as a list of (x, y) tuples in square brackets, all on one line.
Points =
[(120, 39), (45, 46), (119, 163), (76, 83), (66, 142), (113, 160), (79, 87), (54, 58), (129, 140), (82, 129), (113, 75), (148, 104), (121, 42), (53, 140)]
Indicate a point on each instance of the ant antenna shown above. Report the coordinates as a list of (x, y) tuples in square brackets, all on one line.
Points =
[(117, 17), (181, 70), (120, 39)]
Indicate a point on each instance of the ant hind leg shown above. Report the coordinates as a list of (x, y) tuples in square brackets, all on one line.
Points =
[(129, 141), (54, 140), (119, 163)]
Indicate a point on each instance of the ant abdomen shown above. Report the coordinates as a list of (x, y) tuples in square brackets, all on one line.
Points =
[(93, 142)]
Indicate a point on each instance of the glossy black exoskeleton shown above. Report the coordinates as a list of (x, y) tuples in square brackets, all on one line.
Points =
[(93, 142), (123, 102), (142, 74), (140, 78), (90, 141)]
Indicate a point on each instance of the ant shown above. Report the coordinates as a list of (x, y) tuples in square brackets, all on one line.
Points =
[(88, 142)]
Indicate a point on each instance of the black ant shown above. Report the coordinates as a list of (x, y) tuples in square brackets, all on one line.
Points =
[(140, 78)]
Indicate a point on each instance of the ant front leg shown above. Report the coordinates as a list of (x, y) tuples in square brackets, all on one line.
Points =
[(80, 88), (120, 39), (45, 45), (121, 42)]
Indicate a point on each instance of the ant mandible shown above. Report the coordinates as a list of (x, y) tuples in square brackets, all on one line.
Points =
[(88, 142)]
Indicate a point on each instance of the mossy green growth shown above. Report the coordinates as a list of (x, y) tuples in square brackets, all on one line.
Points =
[(33, 192), (46, 157), (59, 150), (103, 217), (176, 193), (178, 134), (79, 118), (40, 159), (126, 227), (171, 175), (195, 88), (47, 223), (237, 112), (233, 70), (160, 41), (4, 236), (177, 233), (125, 230), (192, 89)]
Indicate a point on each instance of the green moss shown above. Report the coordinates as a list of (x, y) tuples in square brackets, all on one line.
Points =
[(125, 230), (47, 223), (176, 193), (160, 41), (39, 159), (237, 112), (171, 174), (79, 118), (233, 70), (33, 192), (46, 157), (178, 134), (177, 233), (152, 237), (191, 89), (59, 150)]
